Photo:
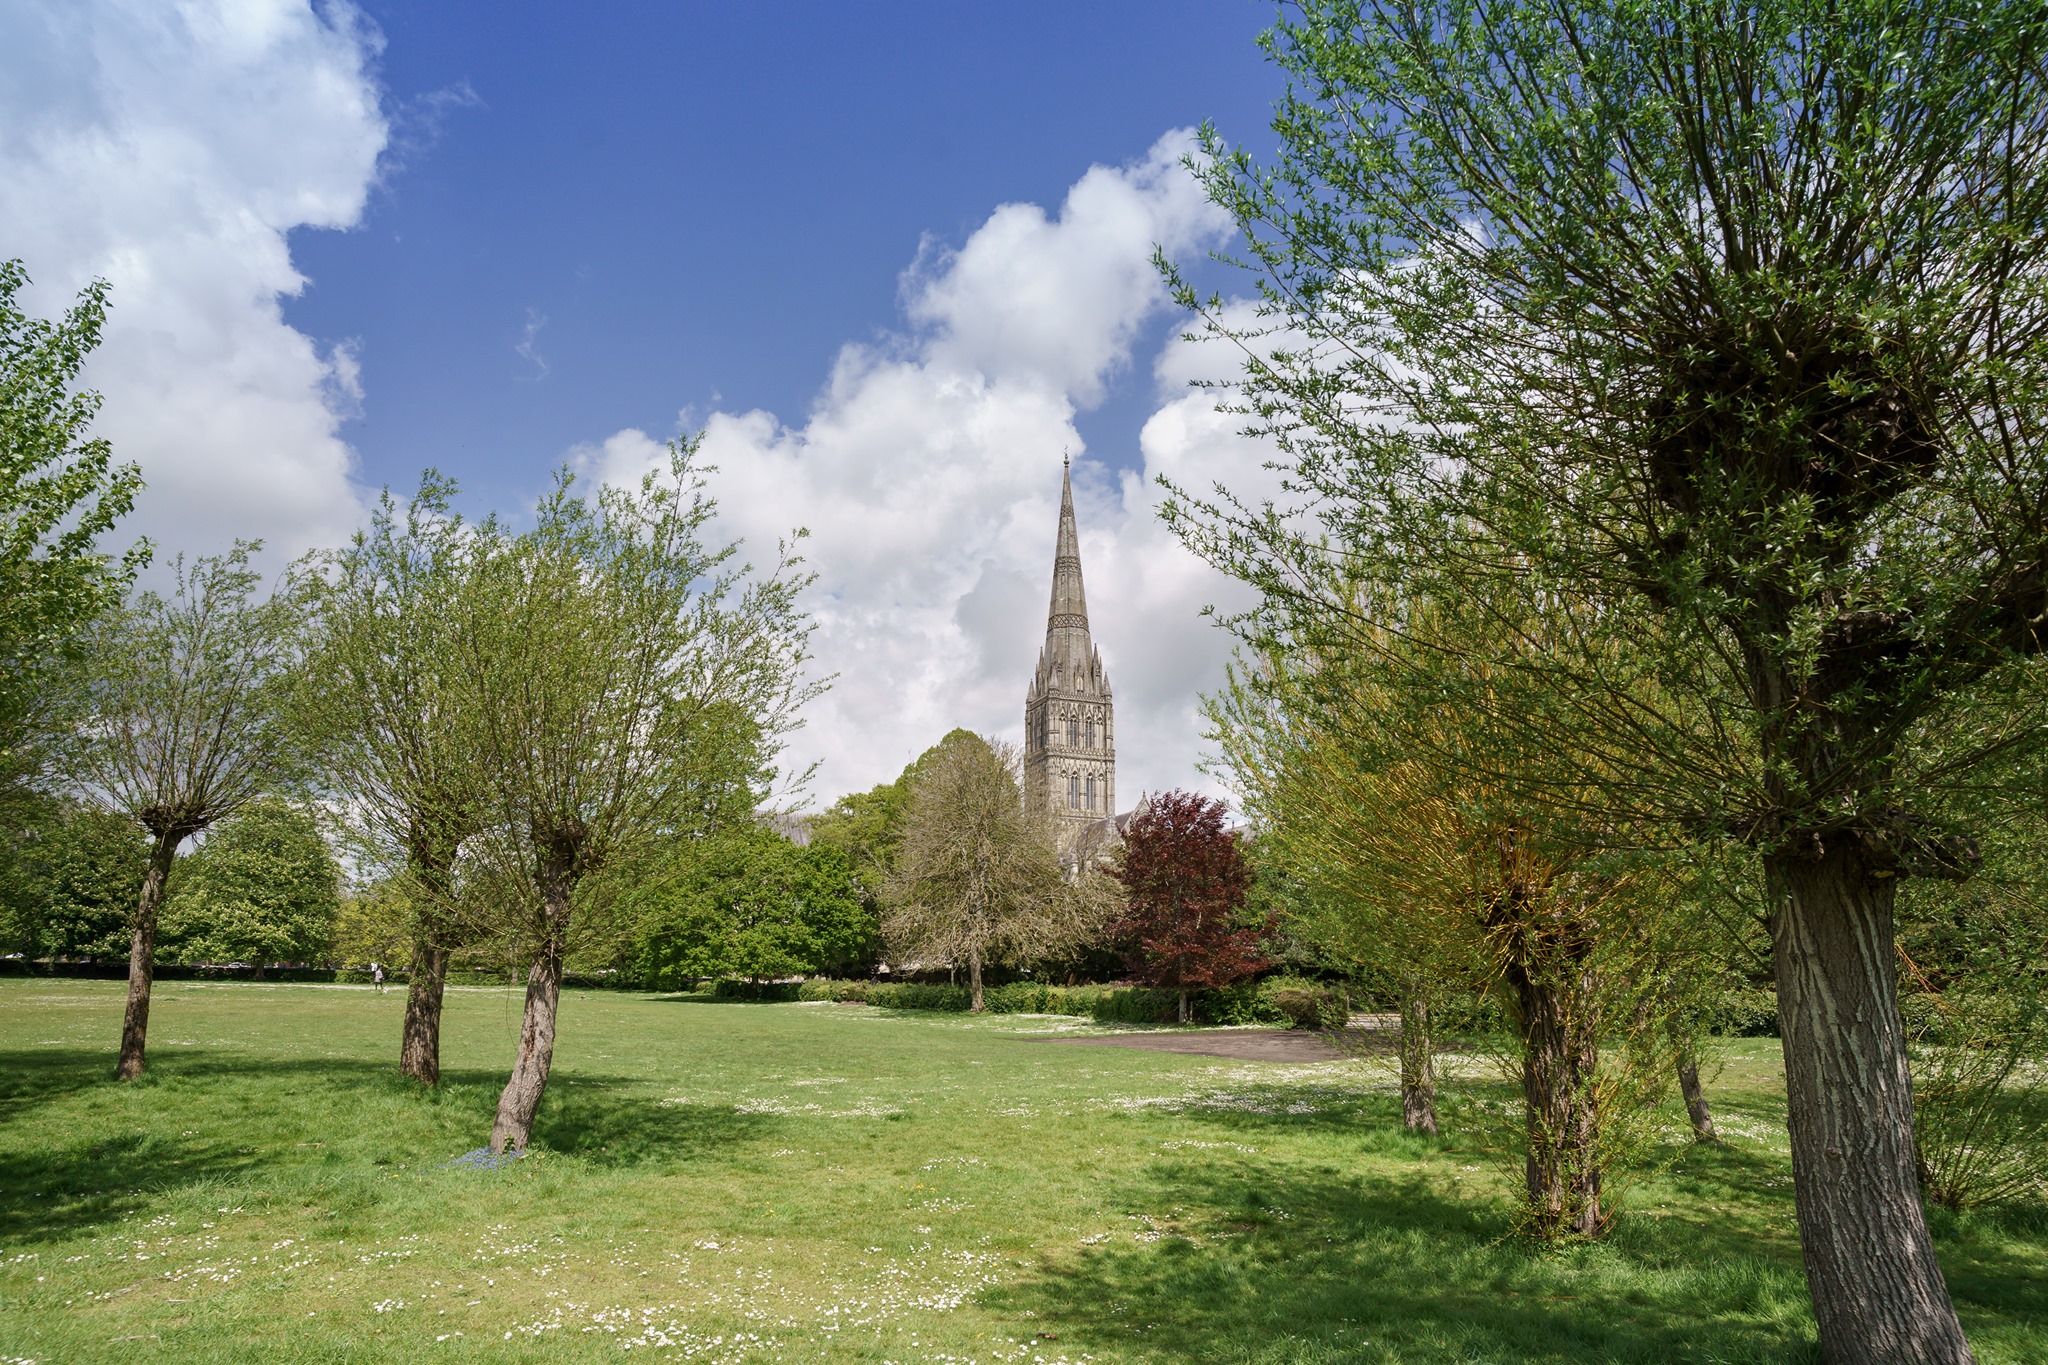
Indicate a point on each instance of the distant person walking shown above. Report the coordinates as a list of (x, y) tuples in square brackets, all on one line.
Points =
[(377, 975)]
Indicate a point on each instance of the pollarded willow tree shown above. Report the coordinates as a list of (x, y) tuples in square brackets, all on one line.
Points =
[(1364, 839), (976, 878), (185, 722), (1359, 768), (624, 677), (1730, 323), (381, 699)]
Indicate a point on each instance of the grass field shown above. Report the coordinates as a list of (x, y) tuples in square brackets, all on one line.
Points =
[(723, 1182)]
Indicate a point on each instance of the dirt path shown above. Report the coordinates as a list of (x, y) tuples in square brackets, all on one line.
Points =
[(1245, 1044)]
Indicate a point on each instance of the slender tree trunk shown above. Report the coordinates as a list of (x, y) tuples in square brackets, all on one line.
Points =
[(521, 1098), (1418, 1063), (419, 1048), (1561, 1054), (1695, 1096), (431, 851), (1878, 1292), (975, 1001), (142, 956), (1182, 1013)]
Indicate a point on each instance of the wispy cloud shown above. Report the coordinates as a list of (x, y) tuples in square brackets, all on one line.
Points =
[(418, 123), (529, 352)]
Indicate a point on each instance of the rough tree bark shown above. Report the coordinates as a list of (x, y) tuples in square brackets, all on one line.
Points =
[(1182, 1012), (1561, 1054), (1696, 1107), (142, 955), (521, 1099), (1878, 1292), (419, 1047), (975, 1002), (1544, 952), (1418, 1063)]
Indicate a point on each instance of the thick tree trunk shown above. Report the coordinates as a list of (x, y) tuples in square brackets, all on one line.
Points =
[(1878, 1292), (1561, 1054), (1544, 953), (1182, 1012), (142, 956), (521, 1098), (1695, 1096), (419, 1048), (975, 1001), (1418, 1064)]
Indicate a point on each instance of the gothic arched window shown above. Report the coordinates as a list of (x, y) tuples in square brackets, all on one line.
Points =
[(1091, 791), (1073, 732), (1088, 733), (1073, 791)]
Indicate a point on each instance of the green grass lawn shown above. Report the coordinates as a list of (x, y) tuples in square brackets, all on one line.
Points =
[(724, 1182)]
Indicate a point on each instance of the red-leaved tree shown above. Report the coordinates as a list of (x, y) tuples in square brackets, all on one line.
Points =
[(1184, 928)]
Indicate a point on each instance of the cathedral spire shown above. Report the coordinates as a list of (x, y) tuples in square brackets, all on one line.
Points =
[(1069, 715), (1069, 610)]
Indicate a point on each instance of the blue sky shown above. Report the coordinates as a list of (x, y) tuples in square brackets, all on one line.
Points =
[(694, 205), (891, 260)]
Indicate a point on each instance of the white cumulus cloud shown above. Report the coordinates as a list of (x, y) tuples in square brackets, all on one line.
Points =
[(928, 473), (169, 147)]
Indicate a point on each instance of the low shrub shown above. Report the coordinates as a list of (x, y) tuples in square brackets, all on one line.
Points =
[(733, 989), (1247, 1002), (1745, 1012), (1022, 997), (1307, 1004), (913, 995), (842, 992)]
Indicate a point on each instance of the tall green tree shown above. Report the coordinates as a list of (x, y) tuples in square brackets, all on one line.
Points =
[(185, 722), (616, 658), (747, 903), (60, 493), (262, 888), (868, 826), (69, 881), (381, 698), (977, 876), (1728, 323)]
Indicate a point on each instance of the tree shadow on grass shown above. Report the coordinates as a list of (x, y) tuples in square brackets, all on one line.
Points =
[(602, 1130), (202, 1117), (63, 1190), (1721, 1201), (1257, 1264), (706, 998), (1992, 1258), (38, 1076)]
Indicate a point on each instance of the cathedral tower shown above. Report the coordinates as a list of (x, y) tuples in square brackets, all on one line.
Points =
[(1069, 731)]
